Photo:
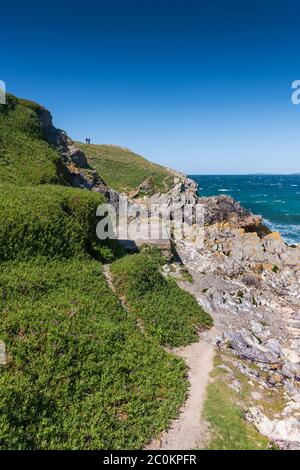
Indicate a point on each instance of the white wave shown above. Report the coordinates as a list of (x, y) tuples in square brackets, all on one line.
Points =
[(289, 232)]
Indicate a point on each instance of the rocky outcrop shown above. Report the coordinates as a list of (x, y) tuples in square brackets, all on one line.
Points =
[(248, 279), (284, 432), (217, 210), (183, 193), (75, 167), (224, 209), (247, 346), (145, 188)]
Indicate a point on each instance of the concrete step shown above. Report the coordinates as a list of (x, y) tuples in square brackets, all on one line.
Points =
[(132, 246)]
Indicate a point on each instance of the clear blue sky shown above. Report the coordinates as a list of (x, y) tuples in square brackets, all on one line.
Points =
[(200, 86)]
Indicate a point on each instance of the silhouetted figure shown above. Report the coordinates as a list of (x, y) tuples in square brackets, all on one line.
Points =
[(87, 140)]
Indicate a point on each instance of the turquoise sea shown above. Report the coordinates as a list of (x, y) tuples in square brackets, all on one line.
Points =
[(275, 197)]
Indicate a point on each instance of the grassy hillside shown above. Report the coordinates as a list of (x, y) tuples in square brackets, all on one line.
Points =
[(124, 170), (25, 157), (51, 221), (167, 313), (79, 373)]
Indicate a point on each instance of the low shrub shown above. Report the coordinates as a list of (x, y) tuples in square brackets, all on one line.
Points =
[(168, 313), (50, 221), (25, 157), (79, 373)]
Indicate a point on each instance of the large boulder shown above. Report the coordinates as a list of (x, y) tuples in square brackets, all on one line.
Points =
[(247, 346), (220, 209), (286, 429)]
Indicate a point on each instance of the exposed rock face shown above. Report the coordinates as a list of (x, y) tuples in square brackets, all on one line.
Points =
[(247, 346), (74, 162), (183, 193), (248, 279), (223, 208), (279, 430), (145, 188)]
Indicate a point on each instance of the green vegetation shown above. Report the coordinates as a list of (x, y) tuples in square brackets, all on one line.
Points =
[(186, 275), (47, 220), (25, 157), (124, 170), (228, 428), (167, 313), (79, 373)]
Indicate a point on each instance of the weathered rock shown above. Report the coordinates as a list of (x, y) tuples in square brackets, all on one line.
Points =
[(275, 379), (73, 160), (220, 209), (248, 279), (274, 346), (145, 188), (256, 395), (286, 445), (292, 407), (291, 370), (287, 429), (256, 327), (78, 157), (248, 347), (236, 386), (250, 373)]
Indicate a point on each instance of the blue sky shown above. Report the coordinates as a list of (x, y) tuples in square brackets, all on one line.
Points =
[(203, 87)]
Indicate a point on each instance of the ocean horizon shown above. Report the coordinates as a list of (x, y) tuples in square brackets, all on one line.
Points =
[(276, 197)]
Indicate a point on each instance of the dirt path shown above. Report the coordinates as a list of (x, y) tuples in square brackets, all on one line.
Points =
[(188, 431), (108, 277)]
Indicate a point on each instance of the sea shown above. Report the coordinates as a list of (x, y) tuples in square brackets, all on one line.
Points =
[(275, 197)]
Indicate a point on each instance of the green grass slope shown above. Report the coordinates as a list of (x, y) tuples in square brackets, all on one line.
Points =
[(124, 170), (25, 157), (51, 221), (167, 313), (79, 373)]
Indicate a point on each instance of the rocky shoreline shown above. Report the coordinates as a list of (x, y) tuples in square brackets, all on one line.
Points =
[(248, 279)]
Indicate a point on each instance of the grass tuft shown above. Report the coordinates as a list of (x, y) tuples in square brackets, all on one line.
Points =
[(168, 313)]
